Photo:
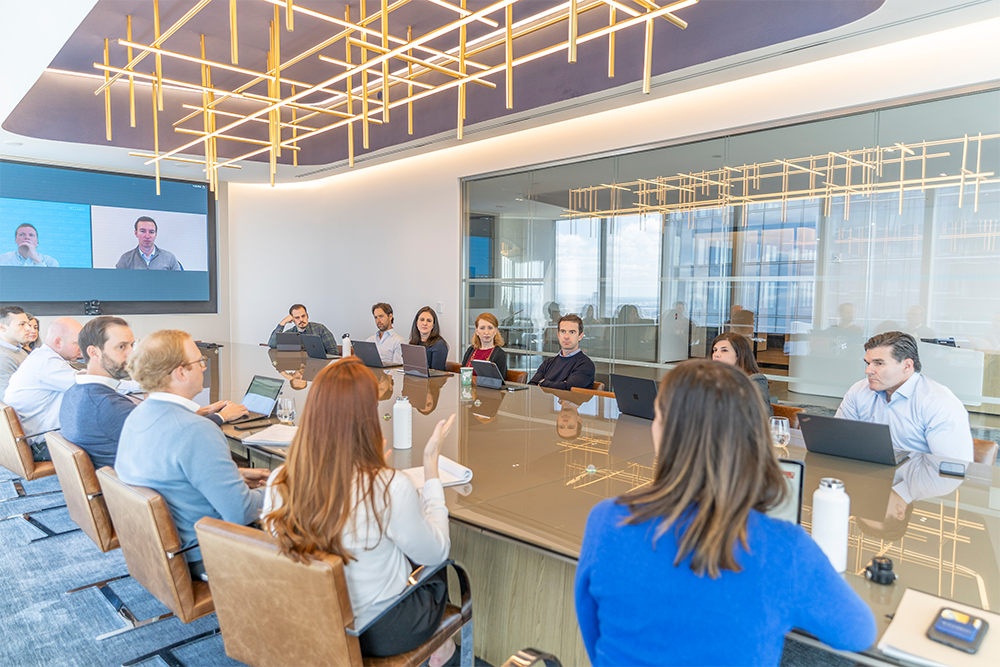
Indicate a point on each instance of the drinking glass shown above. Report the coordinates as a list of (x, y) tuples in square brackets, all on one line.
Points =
[(780, 433), (286, 409)]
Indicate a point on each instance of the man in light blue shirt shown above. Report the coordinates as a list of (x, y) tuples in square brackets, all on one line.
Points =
[(26, 239), (389, 344), (923, 416)]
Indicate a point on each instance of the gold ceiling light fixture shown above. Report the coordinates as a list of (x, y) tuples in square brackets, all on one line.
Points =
[(392, 70)]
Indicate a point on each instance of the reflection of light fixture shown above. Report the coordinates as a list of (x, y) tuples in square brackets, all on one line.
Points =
[(358, 92)]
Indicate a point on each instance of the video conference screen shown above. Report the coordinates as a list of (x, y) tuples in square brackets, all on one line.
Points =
[(69, 235)]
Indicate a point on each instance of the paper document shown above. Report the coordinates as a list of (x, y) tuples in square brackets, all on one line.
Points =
[(452, 474), (277, 434), (906, 637)]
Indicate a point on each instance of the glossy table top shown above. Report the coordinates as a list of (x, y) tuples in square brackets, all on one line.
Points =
[(542, 458)]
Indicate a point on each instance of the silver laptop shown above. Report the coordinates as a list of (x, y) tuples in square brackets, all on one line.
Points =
[(863, 441), (415, 362), (261, 396), (367, 351), (288, 341)]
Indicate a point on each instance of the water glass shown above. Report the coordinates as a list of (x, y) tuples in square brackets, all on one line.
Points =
[(286, 409), (780, 433)]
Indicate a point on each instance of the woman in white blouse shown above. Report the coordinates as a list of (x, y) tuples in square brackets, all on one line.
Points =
[(336, 495)]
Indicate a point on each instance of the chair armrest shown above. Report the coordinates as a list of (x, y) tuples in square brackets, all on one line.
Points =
[(35, 435), (174, 554), (423, 572)]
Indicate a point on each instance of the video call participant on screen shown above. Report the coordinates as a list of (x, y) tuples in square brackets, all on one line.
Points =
[(697, 534), (297, 314), (14, 335), (487, 344), (146, 255), (167, 447), (26, 240), (387, 340), (571, 367), (426, 332), (923, 416), (37, 386)]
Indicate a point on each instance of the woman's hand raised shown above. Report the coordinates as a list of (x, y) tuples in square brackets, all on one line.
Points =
[(433, 448)]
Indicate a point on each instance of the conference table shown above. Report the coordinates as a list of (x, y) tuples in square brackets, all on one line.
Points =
[(541, 459)]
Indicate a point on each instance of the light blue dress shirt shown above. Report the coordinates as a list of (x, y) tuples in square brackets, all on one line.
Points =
[(388, 344), (923, 416), (15, 258)]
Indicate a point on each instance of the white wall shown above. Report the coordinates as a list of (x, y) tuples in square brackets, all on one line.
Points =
[(392, 232)]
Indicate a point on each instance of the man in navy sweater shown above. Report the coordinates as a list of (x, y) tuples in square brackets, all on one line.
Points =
[(571, 367)]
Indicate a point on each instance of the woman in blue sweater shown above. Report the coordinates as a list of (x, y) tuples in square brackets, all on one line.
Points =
[(687, 570)]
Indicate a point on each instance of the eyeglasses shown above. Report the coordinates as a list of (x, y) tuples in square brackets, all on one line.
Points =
[(203, 360)]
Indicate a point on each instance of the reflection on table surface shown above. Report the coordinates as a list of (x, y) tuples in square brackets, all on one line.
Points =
[(542, 459)]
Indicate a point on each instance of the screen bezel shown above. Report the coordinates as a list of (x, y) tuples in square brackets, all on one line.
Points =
[(211, 306)]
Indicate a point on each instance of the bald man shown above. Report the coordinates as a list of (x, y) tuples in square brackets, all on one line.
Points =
[(36, 388)]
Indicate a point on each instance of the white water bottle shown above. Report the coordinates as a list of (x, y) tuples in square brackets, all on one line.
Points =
[(345, 346), (831, 516), (402, 424)]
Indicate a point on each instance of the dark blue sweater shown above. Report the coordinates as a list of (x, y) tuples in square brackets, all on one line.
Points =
[(561, 372), (437, 354), (91, 417), (636, 608)]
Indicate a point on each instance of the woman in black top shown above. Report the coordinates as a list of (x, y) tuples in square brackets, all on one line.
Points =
[(734, 349), (425, 331), (487, 344)]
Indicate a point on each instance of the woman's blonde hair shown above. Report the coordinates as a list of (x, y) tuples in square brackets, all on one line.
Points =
[(714, 465), (156, 356), (492, 319)]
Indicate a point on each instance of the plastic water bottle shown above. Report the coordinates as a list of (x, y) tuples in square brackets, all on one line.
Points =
[(831, 516), (402, 424), (345, 345)]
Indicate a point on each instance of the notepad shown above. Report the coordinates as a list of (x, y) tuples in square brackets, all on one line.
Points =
[(452, 473), (906, 637), (276, 435)]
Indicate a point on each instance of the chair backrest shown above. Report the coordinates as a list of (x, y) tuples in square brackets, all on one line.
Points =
[(787, 411), (598, 386), (15, 452), (290, 614), (518, 377), (984, 451), (453, 367), (149, 541), (82, 491), (593, 392)]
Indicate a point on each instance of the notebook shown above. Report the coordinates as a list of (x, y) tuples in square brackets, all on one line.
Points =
[(452, 473)]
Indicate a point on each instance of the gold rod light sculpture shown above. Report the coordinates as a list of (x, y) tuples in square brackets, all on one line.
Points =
[(131, 78)]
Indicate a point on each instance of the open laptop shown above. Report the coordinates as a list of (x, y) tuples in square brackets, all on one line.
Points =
[(367, 351), (635, 396), (851, 439), (794, 473), (288, 341), (315, 348), (415, 362), (260, 399), (488, 375)]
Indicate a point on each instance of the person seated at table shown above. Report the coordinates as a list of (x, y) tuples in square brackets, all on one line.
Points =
[(166, 446), (32, 333), (386, 340), (335, 495), (923, 416), (664, 568), (571, 367), (300, 318), (487, 344), (426, 332), (735, 350)]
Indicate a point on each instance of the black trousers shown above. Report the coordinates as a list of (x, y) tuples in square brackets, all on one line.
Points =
[(411, 622)]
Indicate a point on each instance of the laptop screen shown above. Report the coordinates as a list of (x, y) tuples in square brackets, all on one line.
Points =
[(262, 394), (791, 508)]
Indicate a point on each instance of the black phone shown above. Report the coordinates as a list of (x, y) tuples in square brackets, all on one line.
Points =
[(958, 630), (952, 468), (251, 425)]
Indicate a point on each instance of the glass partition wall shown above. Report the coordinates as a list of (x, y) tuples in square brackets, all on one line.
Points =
[(807, 238)]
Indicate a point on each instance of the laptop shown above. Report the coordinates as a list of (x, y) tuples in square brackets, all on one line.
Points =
[(635, 396), (288, 341), (260, 399), (367, 351), (488, 375), (315, 348), (790, 510), (862, 441), (415, 362)]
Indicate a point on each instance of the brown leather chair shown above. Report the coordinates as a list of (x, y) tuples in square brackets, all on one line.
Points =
[(598, 386), (453, 367), (517, 377), (152, 549), (593, 392), (787, 411), (984, 451), (309, 620)]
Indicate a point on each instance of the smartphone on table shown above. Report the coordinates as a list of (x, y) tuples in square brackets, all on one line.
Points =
[(958, 630)]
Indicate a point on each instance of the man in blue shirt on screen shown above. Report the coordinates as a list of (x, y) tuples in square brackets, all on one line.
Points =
[(26, 239), (146, 255)]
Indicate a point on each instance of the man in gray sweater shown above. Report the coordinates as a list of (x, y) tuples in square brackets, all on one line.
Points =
[(13, 336)]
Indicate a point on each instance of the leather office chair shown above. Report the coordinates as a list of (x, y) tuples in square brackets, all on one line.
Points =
[(984, 451), (148, 539), (787, 411), (453, 367), (593, 392), (598, 386), (299, 614), (518, 377)]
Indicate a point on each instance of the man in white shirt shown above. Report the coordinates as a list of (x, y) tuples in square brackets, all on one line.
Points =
[(923, 416), (36, 388), (389, 344), (14, 334)]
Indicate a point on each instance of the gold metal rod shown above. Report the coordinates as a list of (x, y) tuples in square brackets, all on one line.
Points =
[(409, 86), (573, 27), (461, 70), (364, 83), (234, 48), (277, 81), (979, 158), (365, 46), (204, 116), (245, 140), (350, 99), (961, 183), (131, 78), (174, 158), (392, 77), (611, 44), (462, 11), (509, 55), (230, 114), (289, 16), (107, 97), (295, 133), (385, 63), (647, 61), (159, 63), (156, 141)]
